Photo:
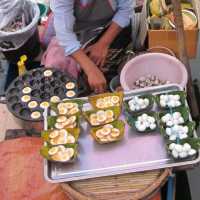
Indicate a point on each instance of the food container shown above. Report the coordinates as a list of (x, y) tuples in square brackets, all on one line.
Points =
[(165, 67), (38, 88)]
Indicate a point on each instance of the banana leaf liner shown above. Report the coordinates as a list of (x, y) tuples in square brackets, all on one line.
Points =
[(147, 109), (93, 99), (116, 124), (74, 132), (45, 149), (131, 120), (183, 110), (190, 124), (80, 103), (182, 95), (51, 120), (194, 143), (116, 110)]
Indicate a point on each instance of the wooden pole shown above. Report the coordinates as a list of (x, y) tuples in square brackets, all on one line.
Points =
[(183, 56)]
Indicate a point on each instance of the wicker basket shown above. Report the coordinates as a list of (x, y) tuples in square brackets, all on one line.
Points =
[(135, 186)]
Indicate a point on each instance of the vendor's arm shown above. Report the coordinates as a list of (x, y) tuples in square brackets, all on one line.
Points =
[(98, 52), (63, 22)]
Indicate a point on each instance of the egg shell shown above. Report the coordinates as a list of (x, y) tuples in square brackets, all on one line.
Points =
[(171, 146), (152, 126), (178, 148), (192, 152), (187, 146), (169, 123), (175, 154), (142, 127), (183, 154)]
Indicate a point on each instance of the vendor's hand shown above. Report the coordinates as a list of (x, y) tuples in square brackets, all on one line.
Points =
[(98, 53), (96, 80)]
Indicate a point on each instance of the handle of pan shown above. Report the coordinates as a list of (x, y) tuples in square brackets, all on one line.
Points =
[(171, 187), (3, 100)]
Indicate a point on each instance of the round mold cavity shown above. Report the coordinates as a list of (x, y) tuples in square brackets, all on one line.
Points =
[(17, 107), (59, 91), (13, 99), (45, 96), (57, 74), (45, 80), (46, 88), (37, 74), (13, 91), (26, 77), (35, 93), (65, 79), (19, 83), (56, 83), (34, 83), (25, 113)]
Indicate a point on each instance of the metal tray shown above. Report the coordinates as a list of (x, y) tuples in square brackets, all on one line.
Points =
[(135, 153)]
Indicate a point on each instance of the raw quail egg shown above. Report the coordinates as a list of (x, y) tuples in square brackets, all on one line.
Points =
[(35, 115), (26, 90), (70, 86), (26, 98), (32, 104), (48, 73)]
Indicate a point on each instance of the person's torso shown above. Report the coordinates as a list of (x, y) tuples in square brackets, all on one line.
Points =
[(92, 14)]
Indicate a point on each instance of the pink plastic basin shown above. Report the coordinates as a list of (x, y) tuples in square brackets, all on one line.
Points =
[(164, 66)]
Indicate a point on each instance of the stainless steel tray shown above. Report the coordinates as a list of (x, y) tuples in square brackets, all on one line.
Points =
[(135, 153)]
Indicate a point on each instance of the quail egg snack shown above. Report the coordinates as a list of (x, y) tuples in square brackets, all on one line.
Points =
[(177, 132), (145, 123), (106, 100), (61, 136), (109, 133), (36, 90), (60, 153), (170, 101), (171, 119), (138, 103), (100, 117), (65, 122), (181, 151), (68, 108)]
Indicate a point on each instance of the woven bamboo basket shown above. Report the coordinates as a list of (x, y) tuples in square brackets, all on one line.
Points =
[(134, 186)]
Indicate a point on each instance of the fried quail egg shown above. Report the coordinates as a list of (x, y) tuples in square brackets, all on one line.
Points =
[(115, 132), (115, 99), (55, 99), (26, 98), (61, 119), (44, 105), (73, 111), (72, 119), (54, 134), (71, 139), (69, 105), (48, 73), (52, 151), (105, 131), (109, 126), (99, 134), (70, 86), (63, 111), (26, 90), (109, 114), (59, 125), (101, 118), (32, 104), (70, 93), (70, 152), (35, 115)]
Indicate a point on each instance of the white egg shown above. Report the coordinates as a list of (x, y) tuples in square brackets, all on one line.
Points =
[(171, 104), (169, 123), (168, 117), (185, 129), (137, 107), (146, 101), (137, 124), (164, 119), (142, 127), (177, 103), (132, 108), (172, 137), (176, 97), (153, 126), (183, 136), (140, 118), (181, 120), (183, 154), (171, 146), (162, 103), (140, 102), (176, 115), (175, 153), (178, 148), (168, 131), (175, 128), (187, 147), (175, 122), (162, 97), (144, 116), (192, 152), (152, 120)]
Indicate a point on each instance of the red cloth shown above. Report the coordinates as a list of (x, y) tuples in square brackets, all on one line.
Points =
[(21, 172)]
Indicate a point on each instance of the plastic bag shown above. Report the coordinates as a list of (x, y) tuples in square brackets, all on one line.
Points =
[(9, 11)]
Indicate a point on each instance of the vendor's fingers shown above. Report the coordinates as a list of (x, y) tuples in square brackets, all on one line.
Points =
[(102, 63)]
